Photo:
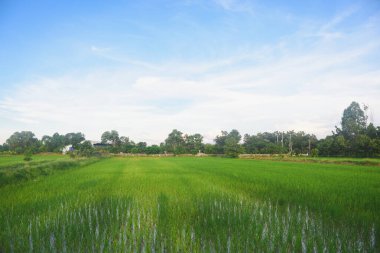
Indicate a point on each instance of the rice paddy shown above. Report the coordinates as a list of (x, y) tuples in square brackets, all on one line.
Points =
[(189, 204)]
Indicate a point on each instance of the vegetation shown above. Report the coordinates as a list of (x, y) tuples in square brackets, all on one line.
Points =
[(13, 169), (355, 138), (185, 204), (308, 159), (27, 156)]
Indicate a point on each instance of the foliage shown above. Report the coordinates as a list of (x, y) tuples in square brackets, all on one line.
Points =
[(354, 138), (314, 152), (175, 142), (126, 144), (194, 143), (111, 137), (231, 146), (154, 149), (53, 143), (57, 142), (228, 143), (74, 139), (86, 149), (42, 166), (354, 121), (141, 147), (28, 155), (19, 142), (4, 148), (209, 148), (280, 143)]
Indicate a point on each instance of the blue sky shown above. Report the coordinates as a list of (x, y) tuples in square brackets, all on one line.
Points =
[(146, 67)]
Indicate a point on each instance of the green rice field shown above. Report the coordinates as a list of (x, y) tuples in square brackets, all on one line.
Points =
[(193, 204)]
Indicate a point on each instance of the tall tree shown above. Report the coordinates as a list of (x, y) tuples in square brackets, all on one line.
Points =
[(54, 143), (228, 143), (354, 138), (86, 149), (220, 141), (74, 139), (354, 121), (194, 143), (20, 142), (154, 149), (112, 137), (126, 145), (209, 148), (4, 148), (175, 142), (232, 147), (141, 146)]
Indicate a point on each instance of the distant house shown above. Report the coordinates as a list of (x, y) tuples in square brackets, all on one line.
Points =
[(95, 144), (67, 148), (101, 145)]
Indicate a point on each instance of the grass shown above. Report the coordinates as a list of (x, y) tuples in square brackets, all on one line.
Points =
[(12, 160), (194, 205), (12, 170), (329, 160)]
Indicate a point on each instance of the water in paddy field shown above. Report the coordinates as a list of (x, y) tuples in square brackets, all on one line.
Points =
[(207, 225)]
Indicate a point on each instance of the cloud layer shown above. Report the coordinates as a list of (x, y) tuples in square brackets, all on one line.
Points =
[(303, 81)]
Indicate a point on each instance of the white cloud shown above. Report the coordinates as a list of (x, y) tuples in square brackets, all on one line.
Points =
[(279, 87)]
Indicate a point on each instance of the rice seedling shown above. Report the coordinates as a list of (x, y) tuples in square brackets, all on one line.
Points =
[(192, 205)]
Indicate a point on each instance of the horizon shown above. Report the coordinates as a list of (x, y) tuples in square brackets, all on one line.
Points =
[(146, 68)]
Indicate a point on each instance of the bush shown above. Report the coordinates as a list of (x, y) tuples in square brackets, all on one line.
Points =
[(71, 154), (314, 152), (28, 156), (23, 171), (86, 149)]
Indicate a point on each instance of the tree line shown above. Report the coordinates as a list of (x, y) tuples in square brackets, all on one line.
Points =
[(353, 138)]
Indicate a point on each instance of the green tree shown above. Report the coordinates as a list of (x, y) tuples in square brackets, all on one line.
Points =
[(58, 142), (194, 143), (135, 150), (74, 139), (371, 131), (232, 148), (86, 149), (141, 146), (362, 146), (19, 142), (228, 143), (46, 144), (354, 138), (324, 146), (112, 137), (266, 143), (154, 149), (220, 141), (54, 143), (354, 121), (4, 148), (126, 144), (175, 142), (209, 148)]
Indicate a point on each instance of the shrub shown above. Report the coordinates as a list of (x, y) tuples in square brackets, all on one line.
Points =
[(314, 152), (28, 156)]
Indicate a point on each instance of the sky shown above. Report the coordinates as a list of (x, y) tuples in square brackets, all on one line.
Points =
[(144, 68)]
